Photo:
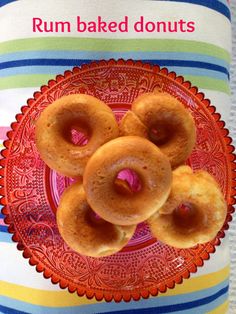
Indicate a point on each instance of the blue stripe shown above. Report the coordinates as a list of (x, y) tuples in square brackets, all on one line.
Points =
[(141, 306), (175, 307), (8, 310), (156, 302), (45, 62), (60, 69), (73, 62), (202, 309), (211, 4), (225, 2), (4, 2), (6, 237), (98, 55), (198, 72), (212, 302), (1, 214), (191, 64), (3, 228)]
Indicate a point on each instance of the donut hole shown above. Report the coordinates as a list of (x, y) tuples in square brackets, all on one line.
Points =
[(187, 217), (160, 134), (78, 136), (127, 182), (94, 218)]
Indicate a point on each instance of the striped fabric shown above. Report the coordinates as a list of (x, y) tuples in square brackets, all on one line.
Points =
[(28, 60)]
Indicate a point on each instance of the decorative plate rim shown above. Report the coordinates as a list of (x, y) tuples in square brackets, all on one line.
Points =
[(129, 295)]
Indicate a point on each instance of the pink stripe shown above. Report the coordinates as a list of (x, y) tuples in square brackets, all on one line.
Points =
[(3, 132), (2, 223)]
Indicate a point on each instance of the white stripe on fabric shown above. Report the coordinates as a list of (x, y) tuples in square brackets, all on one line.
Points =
[(217, 29), (11, 102), (16, 269), (221, 101)]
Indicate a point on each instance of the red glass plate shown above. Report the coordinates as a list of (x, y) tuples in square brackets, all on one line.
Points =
[(30, 190)]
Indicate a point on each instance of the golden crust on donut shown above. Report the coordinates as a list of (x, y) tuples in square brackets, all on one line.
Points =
[(141, 156), (85, 233), (131, 125), (182, 170), (170, 125), (80, 112), (177, 189), (205, 214)]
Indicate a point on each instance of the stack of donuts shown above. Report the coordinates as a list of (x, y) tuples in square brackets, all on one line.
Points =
[(98, 214)]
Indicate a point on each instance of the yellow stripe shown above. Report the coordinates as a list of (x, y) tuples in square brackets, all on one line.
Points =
[(222, 309), (63, 298), (201, 282), (42, 297)]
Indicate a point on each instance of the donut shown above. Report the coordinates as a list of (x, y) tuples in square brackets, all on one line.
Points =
[(131, 125), (118, 205), (83, 231), (194, 212), (169, 125), (80, 112)]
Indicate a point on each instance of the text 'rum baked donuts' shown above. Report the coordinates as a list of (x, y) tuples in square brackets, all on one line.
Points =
[(168, 124), (194, 212), (83, 231), (79, 112), (152, 168)]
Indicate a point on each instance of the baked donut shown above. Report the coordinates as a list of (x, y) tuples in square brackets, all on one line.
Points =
[(194, 212), (130, 124), (170, 125), (118, 205), (85, 233), (83, 113)]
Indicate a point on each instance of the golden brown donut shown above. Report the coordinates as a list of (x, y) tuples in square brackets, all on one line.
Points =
[(85, 233), (53, 132), (194, 212), (100, 175), (130, 124), (170, 125)]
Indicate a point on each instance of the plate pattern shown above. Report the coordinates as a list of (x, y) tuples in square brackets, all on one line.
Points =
[(31, 191)]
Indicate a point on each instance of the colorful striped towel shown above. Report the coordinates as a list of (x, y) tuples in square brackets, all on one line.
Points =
[(29, 59)]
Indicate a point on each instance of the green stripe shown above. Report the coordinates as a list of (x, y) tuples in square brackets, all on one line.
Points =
[(209, 83), (36, 80), (113, 45), (31, 80)]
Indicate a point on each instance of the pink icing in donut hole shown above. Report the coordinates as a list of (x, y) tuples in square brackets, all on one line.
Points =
[(79, 137), (128, 182), (187, 215), (95, 218)]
